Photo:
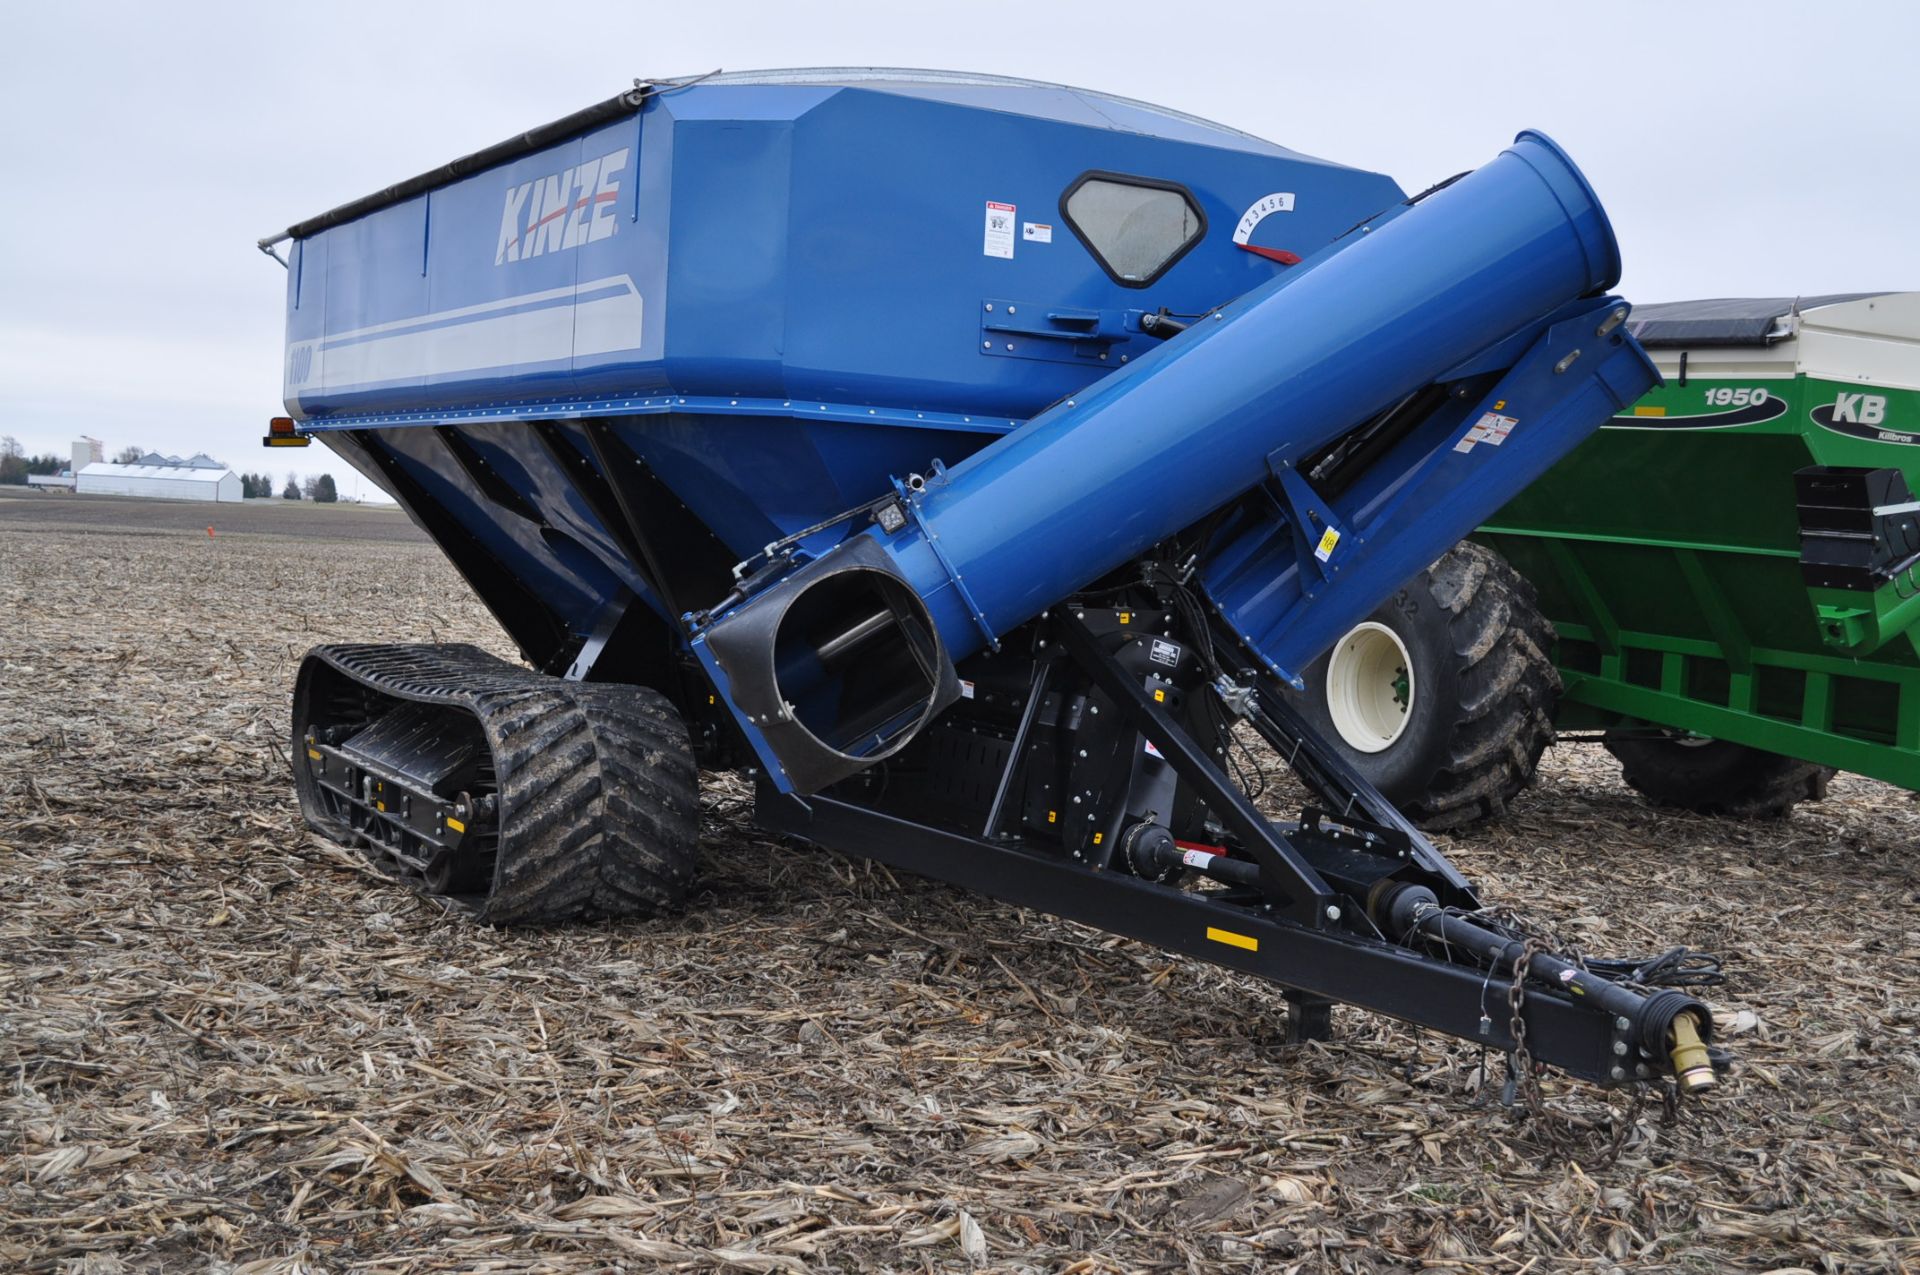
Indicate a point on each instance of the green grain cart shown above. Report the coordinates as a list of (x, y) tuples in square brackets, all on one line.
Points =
[(1722, 581)]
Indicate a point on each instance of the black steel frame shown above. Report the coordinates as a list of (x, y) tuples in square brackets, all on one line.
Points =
[(1288, 936), (1370, 973)]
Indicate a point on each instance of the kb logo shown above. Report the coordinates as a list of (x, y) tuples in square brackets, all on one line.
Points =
[(299, 364), (1862, 416), (1859, 409)]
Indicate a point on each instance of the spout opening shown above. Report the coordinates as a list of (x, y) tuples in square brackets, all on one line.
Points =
[(857, 664)]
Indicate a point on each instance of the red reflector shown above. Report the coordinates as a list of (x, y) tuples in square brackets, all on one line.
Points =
[(1280, 255)]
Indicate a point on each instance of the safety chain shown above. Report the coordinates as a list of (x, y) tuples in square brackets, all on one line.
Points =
[(1527, 1076)]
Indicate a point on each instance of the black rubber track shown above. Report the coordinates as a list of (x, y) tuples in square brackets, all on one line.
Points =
[(599, 794), (1716, 776)]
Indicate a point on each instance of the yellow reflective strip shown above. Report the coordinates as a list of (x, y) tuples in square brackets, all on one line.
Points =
[(1231, 939), (314, 753), (455, 824), (1649, 411)]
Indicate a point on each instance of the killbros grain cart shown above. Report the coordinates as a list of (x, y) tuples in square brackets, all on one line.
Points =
[(961, 458), (1725, 579)]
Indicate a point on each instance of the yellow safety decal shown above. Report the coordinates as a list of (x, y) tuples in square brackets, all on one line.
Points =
[(1126, 617), (710, 699), (1649, 411), (381, 806), (314, 753), (1097, 837), (1159, 697), (455, 824), (1328, 539), (1231, 939), (1053, 816), (1500, 406)]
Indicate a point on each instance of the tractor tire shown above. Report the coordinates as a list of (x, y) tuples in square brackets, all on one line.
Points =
[(1715, 776), (1444, 697)]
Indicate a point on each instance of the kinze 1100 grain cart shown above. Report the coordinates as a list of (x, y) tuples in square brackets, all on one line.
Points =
[(1725, 579), (964, 459)]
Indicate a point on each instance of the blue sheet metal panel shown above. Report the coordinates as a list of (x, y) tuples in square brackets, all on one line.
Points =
[(728, 289), (756, 479), (1094, 482), (504, 263), (784, 241), (888, 272), (499, 283), (369, 271), (306, 320), (633, 251)]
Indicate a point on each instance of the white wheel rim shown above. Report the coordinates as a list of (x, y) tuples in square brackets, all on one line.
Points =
[(1370, 687)]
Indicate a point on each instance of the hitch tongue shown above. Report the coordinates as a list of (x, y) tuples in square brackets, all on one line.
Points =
[(1690, 1061)]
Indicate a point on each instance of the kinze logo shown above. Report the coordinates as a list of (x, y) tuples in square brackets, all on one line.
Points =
[(565, 210)]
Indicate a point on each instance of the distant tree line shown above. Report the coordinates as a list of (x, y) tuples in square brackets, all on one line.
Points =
[(320, 490), (15, 464)]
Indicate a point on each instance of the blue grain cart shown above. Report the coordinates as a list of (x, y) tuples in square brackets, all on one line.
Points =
[(966, 460)]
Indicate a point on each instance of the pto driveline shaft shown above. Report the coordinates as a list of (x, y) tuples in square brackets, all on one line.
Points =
[(1666, 1023)]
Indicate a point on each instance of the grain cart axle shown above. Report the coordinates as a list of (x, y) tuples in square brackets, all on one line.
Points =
[(1206, 403)]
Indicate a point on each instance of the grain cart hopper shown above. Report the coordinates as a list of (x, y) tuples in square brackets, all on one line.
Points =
[(963, 459), (1725, 579)]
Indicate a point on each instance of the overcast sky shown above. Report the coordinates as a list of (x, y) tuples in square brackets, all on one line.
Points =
[(1742, 149)]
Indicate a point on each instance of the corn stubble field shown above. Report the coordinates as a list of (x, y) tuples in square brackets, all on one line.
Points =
[(226, 1047)]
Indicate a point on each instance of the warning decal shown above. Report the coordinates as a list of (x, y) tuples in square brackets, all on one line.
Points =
[(1036, 231), (1328, 540), (999, 242), (1491, 429)]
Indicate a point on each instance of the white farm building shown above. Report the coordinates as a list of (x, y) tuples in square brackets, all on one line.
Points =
[(198, 479)]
